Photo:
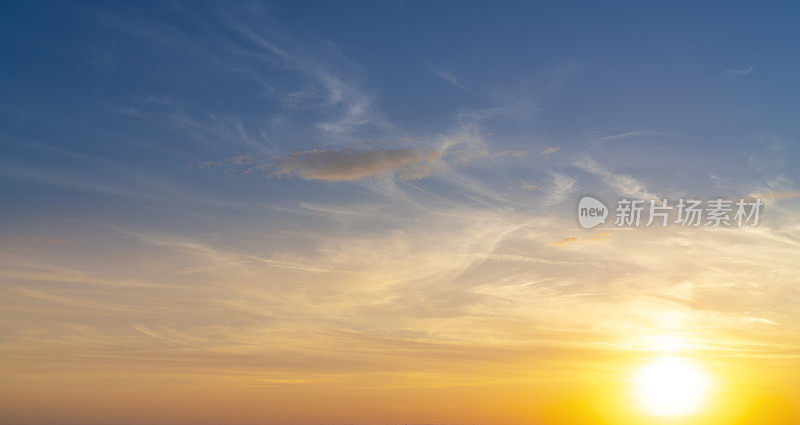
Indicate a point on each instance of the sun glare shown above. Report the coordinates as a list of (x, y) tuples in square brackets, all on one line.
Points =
[(671, 386)]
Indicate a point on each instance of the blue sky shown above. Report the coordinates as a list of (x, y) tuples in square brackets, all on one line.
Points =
[(216, 174), (163, 87)]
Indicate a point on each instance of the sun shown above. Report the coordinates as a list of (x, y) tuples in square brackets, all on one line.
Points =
[(671, 386)]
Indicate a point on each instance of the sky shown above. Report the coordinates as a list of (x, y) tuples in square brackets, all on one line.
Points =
[(365, 212)]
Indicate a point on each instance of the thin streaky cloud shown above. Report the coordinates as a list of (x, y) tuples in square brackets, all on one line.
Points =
[(621, 183), (741, 72), (450, 78), (384, 211)]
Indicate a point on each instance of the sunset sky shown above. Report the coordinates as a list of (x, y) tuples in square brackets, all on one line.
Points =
[(246, 213)]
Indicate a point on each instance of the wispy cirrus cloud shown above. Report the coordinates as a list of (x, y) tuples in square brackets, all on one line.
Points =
[(450, 78), (622, 183), (348, 104), (323, 79), (563, 186), (740, 72)]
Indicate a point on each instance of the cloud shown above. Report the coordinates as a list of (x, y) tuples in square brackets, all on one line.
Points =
[(597, 237), (740, 72), (323, 78), (761, 321), (348, 104), (512, 154), (777, 195), (230, 163), (598, 137), (339, 165), (349, 164), (550, 150), (600, 236), (529, 186), (622, 183), (567, 241), (407, 164), (451, 79), (562, 187), (770, 156), (122, 110)]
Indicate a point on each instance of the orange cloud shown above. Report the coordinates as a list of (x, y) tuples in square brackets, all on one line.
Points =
[(407, 164), (568, 241), (342, 165)]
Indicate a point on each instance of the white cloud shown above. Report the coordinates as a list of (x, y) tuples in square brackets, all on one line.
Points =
[(451, 79), (740, 72), (621, 183), (562, 187)]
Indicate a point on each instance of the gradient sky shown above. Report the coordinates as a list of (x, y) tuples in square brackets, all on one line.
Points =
[(364, 212)]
